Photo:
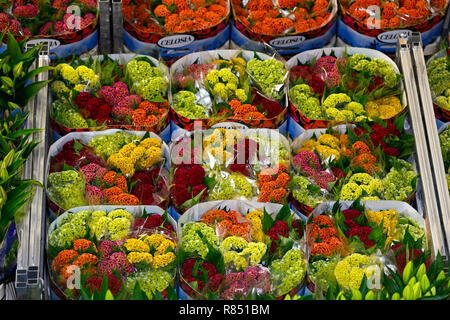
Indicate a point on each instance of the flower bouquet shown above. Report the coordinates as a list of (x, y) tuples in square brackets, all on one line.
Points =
[(368, 236), (105, 252), (372, 162), (116, 91), (438, 71), (286, 25), (240, 249), (172, 25), (337, 85), (374, 18), (444, 138), (67, 21), (225, 164), (228, 85), (111, 167)]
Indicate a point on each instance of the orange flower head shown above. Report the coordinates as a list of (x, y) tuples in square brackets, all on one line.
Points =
[(83, 244)]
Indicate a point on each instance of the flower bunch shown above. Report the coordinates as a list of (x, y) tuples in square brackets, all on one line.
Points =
[(76, 256), (34, 18), (243, 255), (273, 184), (438, 78), (174, 16), (305, 192), (227, 223), (137, 156), (150, 281), (323, 237), (288, 272), (99, 182), (148, 81), (224, 84), (394, 15), (265, 17), (360, 184), (201, 275), (269, 75), (66, 188), (359, 88), (188, 183), (106, 145), (113, 252), (230, 88), (155, 221), (93, 93), (184, 102), (350, 270), (240, 253), (155, 251), (71, 228), (255, 279), (192, 242), (308, 162)]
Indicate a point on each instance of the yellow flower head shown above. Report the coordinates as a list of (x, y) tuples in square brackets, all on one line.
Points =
[(136, 257), (136, 245)]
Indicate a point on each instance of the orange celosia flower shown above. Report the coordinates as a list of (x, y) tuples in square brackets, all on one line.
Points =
[(360, 147), (283, 180), (64, 257), (85, 258), (162, 11), (323, 220), (83, 244), (186, 14)]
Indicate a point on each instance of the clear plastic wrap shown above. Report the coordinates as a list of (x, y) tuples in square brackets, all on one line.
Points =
[(229, 164), (249, 261), (132, 94), (337, 85), (229, 85), (121, 245), (63, 21), (346, 162), (111, 166)]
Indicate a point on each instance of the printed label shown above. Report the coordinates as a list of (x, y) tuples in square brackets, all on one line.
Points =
[(286, 42), (176, 41), (392, 36), (52, 43)]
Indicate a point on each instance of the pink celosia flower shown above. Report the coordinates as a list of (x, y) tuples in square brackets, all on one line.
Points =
[(121, 113), (332, 79), (323, 178), (94, 195), (108, 93), (130, 101), (121, 90), (27, 11), (308, 162), (45, 29)]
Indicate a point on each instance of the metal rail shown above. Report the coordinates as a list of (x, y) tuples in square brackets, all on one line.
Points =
[(31, 230), (435, 206)]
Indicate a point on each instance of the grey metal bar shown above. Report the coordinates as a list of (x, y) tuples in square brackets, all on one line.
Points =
[(438, 171), (30, 260), (117, 27), (104, 38), (422, 151)]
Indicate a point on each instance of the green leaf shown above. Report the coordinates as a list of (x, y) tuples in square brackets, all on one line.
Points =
[(138, 294), (284, 213), (29, 91), (267, 222), (209, 182)]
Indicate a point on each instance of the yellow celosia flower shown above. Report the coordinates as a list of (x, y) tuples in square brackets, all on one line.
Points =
[(136, 257)]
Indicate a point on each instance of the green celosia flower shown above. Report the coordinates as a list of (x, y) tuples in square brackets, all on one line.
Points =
[(269, 75), (66, 189)]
